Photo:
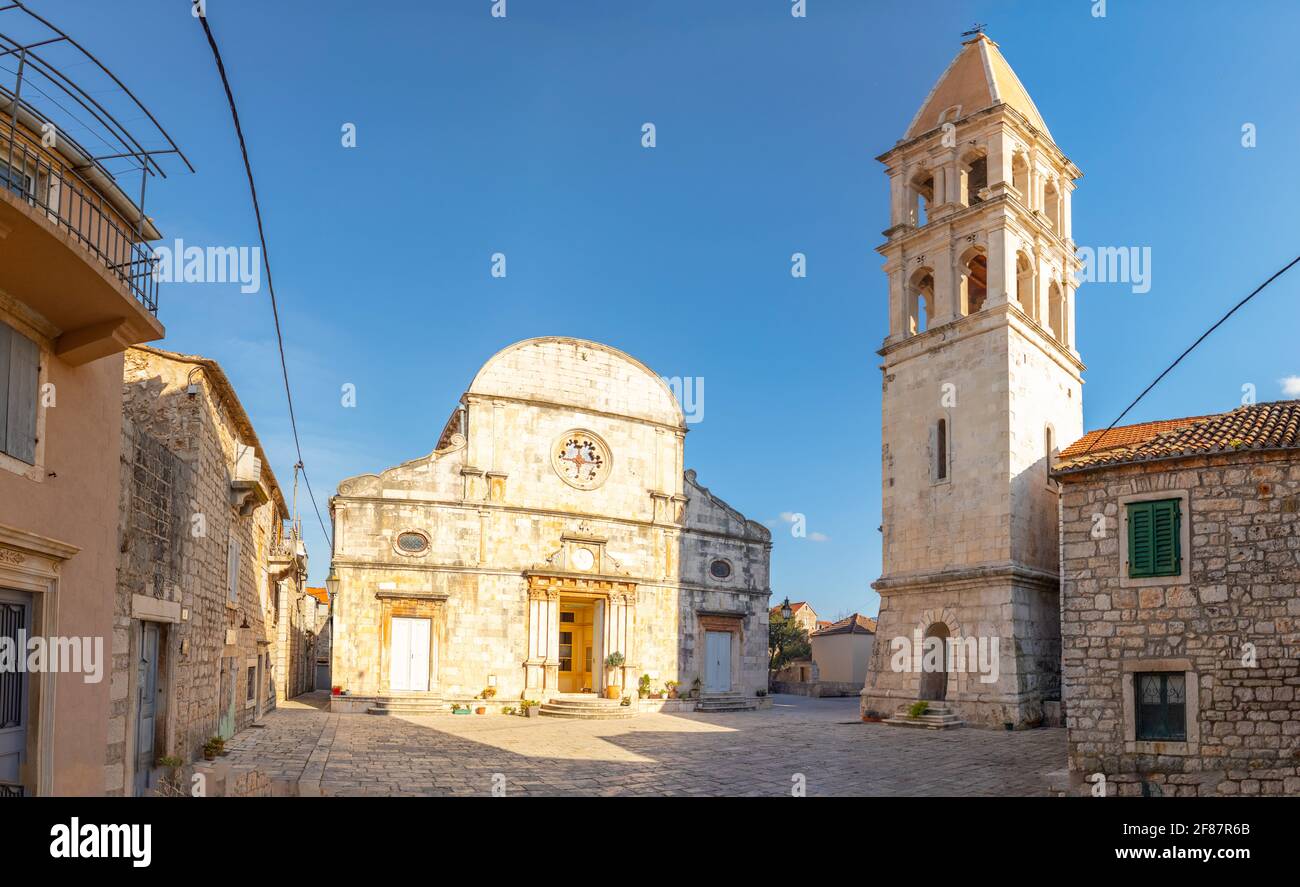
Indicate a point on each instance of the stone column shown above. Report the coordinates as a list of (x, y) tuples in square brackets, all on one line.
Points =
[(541, 668), (1002, 265), (945, 297), (618, 635)]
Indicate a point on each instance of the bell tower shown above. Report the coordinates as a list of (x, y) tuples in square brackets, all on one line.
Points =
[(981, 385)]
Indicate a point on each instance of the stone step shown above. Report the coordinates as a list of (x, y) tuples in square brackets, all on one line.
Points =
[(587, 712), (927, 721), (440, 709), (728, 705), (576, 705)]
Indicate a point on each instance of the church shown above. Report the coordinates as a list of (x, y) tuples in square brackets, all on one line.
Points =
[(981, 381), (551, 547)]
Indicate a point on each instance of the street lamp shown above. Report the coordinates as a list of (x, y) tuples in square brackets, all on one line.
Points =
[(332, 583), (786, 612)]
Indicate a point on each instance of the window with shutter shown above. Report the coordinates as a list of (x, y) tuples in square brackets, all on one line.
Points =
[(1153, 538), (20, 366), (232, 570)]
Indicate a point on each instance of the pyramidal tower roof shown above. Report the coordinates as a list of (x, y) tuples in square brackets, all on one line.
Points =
[(978, 78)]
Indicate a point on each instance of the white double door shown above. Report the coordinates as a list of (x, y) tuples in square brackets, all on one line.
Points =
[(717, 665), (409, 654)]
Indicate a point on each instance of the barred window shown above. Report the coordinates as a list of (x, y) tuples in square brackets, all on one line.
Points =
[(1161, 701), (412, 543)]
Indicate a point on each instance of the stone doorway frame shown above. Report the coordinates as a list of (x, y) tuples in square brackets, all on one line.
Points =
[(614, 628), (31, 563), (412, 605)]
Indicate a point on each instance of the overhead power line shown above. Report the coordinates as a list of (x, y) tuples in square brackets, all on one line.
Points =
[(1285, 268), (266, 261)]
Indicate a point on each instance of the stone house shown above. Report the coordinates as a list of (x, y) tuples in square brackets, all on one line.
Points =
[(980, 379), (552, 526), (802, 613), (1180, 605), (209, 625), (321, 674), (75, 291)]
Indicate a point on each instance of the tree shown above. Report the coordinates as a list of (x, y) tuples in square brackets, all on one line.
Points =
[(786, 641)]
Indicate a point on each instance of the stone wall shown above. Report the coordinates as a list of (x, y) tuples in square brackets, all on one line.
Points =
[(1241, 587), (177, 524)]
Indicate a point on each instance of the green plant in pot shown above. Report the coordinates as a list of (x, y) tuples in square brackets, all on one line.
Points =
[(213, 747), (916, 709), (643, 686), (613, 662)]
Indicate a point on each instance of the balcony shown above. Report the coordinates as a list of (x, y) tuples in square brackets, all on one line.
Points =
[(74, 248), (288, 554)]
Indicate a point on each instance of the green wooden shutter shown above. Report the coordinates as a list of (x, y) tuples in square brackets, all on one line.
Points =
[(1141, 559), (1164, 538), (1154, 547)]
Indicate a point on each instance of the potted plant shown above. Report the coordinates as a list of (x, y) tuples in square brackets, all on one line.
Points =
[(481, 710), (760, 692), (488, 693), (212, 748), (337, 691), (672, 688), (643, 686), (459, 708), (918, 708), (613, 662), (531, 708), (508, 710), (871, 716)]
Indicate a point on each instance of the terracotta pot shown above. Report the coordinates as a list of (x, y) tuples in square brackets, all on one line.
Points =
[(480, 710), (613, 692)]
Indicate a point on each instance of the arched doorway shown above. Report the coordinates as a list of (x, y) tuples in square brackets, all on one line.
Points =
[(934, 663)]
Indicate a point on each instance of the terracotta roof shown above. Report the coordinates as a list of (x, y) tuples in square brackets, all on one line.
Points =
[(319, 594), (795, 607), (1263, 426), (978, 78), (854, 624)]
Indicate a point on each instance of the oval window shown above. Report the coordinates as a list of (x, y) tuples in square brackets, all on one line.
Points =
[(412, 543), (720, 569)]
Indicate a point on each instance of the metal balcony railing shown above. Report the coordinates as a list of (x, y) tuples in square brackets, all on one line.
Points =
[(76, 206)]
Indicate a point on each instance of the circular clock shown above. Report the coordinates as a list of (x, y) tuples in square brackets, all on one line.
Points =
[(581, 459), (583, 559)]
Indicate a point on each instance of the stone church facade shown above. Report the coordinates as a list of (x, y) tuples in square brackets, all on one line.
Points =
[(552, 526), (980, 381)]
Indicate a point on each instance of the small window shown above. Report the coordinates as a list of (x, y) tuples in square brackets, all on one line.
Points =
[(252, 682), (720, 569), (941, 450), (1049, 452), (15, 180), (567, 616), (1154, 546), (1161, 701), (412, 543), (20, 365)]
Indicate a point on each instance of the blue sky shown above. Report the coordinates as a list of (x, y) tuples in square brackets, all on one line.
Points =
[(522, 135)]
